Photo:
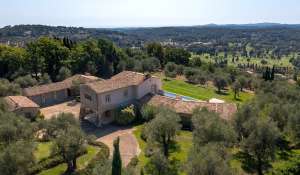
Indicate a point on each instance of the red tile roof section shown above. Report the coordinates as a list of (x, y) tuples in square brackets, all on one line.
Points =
[(121, 80), (225, 110), (52, 87), (16, 102)]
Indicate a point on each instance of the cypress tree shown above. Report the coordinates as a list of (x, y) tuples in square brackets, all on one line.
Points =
[(273, 73), (116, 162)]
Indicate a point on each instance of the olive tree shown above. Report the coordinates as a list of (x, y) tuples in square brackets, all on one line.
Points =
[(163, 129), (261, 143), (69, 144)]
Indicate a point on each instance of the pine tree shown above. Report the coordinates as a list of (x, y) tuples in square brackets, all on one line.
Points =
[(116, 162)]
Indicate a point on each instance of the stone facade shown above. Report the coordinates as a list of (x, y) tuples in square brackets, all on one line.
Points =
[(101, 104)]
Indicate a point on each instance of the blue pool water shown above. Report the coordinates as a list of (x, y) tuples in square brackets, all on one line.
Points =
[(169, 94), (185, 98), (173, 95)]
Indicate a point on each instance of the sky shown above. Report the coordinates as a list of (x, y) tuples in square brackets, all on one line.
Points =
[(147, 13)]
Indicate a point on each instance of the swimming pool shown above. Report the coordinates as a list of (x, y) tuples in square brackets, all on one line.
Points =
[(169, 94), (173, 95)]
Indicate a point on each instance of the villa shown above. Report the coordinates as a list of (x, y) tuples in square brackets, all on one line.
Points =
[(100, 98)]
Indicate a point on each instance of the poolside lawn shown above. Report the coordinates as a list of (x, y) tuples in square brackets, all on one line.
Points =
[(202, 93)]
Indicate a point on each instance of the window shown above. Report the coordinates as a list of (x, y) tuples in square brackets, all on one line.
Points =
[(107, 98), (153, 88), (88, 97), (27, 114), (126, 93), (55, 95), (43, 99)]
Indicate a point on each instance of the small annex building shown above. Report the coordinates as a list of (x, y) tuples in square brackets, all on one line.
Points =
[(54, 93), (22, 105), (185, 108)]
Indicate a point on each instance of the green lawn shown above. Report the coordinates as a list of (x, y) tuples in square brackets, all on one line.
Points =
[(81, 162), (43, 150), (201, 93), (183, 145)]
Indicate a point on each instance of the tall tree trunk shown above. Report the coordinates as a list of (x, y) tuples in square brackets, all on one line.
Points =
[(70, 168), (75, 164), (259, 167), (166, 148)]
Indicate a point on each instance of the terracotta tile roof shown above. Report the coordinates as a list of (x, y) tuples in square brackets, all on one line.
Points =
[(17, 102), (43, 89), (82, 79), (121, 80), (225, 110), (68, 83)]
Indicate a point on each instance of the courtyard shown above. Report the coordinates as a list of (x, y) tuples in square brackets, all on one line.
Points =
[(67, 107)]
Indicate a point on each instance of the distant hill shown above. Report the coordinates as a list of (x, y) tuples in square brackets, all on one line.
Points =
[(262, 38), (280, 39), (20, 34)]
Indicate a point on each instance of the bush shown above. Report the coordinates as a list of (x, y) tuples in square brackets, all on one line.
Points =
[(26, 81), (196, 61), (149, 112), (195, 76), (144, 133), (133, 162), (104, 148), (50, 162), (264, 62), (101, 156), (7, 88), (171, 70), (180, 69), (125, 116)]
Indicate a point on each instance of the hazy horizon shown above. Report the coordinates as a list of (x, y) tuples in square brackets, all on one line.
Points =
[(145, 13)]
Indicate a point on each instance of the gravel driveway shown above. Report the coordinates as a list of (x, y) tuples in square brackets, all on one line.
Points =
[(129, 146)]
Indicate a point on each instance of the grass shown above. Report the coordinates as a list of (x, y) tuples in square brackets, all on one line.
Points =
[(202, 93), (82, 162), (43, 150), (179, 153)]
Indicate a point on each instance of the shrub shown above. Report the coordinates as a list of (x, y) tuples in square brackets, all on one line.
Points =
[(180, 69), (144, 134), (26, 81), (101, 156), (149, 112), (125, 116), (50, 162), (264, 62), (170, 70), (133, 162), (7, 88), (196, 61)]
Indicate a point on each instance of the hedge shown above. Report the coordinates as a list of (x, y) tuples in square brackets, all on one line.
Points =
[(50, 162), (102, 155)]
